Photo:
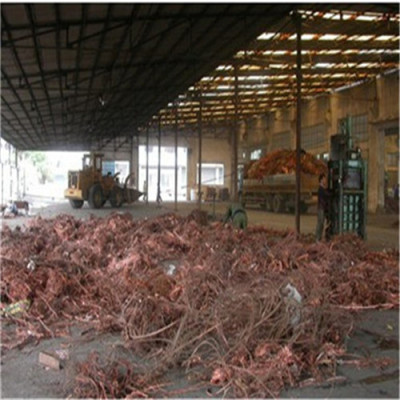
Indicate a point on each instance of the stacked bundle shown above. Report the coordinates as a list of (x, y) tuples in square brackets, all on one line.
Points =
[(284, 162)]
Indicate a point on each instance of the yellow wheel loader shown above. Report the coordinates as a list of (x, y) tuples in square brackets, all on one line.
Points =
[(90, 185)]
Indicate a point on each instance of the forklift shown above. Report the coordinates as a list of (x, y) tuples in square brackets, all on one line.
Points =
[(347, 181)]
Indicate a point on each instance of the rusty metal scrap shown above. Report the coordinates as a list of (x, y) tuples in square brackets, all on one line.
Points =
[(114, 379), (222, 307)]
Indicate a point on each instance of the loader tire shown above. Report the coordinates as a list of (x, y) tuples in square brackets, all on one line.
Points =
[(76, 203), (116, 197), (96, 196)]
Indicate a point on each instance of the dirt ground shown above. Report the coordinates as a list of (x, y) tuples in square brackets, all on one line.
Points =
[(376, 333)]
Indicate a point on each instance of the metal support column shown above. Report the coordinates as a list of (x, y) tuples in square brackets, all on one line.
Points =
[(298, 121), (159, 200), (10, 171), (24, 178), (176, 158), (200, 131), (234, 173), (131, 168), (2, 182), (131, 154), (17, 171), (146, 186)]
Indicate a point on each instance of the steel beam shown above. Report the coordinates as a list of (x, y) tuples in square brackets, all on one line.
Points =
[(60, 83), (158, 104), (12, 130), (117, 51), (235, 140), (101, 32), (18, 60), (276, 44), (172, 25), (200, 151), (159, 199), (22, 105), (7, 43), (319, 25), (298, 24), (32, 22), (84, 13), (120, 119), (178, 73), (2, 180), (290, 72), (176, 159), (96, 61), (186, 15), (340, 58)]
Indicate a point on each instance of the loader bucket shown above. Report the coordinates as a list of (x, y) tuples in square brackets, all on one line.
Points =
[(131, 195)]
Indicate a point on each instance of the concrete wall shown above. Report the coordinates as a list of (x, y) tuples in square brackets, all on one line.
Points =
[(378, 100), (11, 175), (213, 151)]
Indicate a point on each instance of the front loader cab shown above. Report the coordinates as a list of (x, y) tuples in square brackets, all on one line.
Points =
[(86, 161), (93, 161)]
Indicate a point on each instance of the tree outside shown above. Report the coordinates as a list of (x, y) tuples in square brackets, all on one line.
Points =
[(41, 163)]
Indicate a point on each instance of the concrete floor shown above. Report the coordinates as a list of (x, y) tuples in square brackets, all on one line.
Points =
[(382, 230), (375, 335)]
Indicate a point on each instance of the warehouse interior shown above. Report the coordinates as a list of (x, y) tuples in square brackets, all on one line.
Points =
[(128, 276)]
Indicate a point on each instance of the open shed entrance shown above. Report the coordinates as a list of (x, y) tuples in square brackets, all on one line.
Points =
[(167, 172)]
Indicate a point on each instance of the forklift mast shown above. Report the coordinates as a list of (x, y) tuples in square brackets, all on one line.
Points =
[(347, 181)]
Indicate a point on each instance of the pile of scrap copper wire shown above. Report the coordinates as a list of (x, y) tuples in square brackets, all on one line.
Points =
[(249, 312), (284, 162)]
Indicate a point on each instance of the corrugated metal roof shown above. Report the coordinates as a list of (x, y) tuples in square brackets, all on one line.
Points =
[(339, 48), (78, 76)]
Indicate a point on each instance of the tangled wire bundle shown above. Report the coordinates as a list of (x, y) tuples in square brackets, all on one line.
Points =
[(284, 162), (206, 298)]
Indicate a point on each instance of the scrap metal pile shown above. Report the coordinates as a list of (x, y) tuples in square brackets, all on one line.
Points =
[(284, 162), (250, 312)]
